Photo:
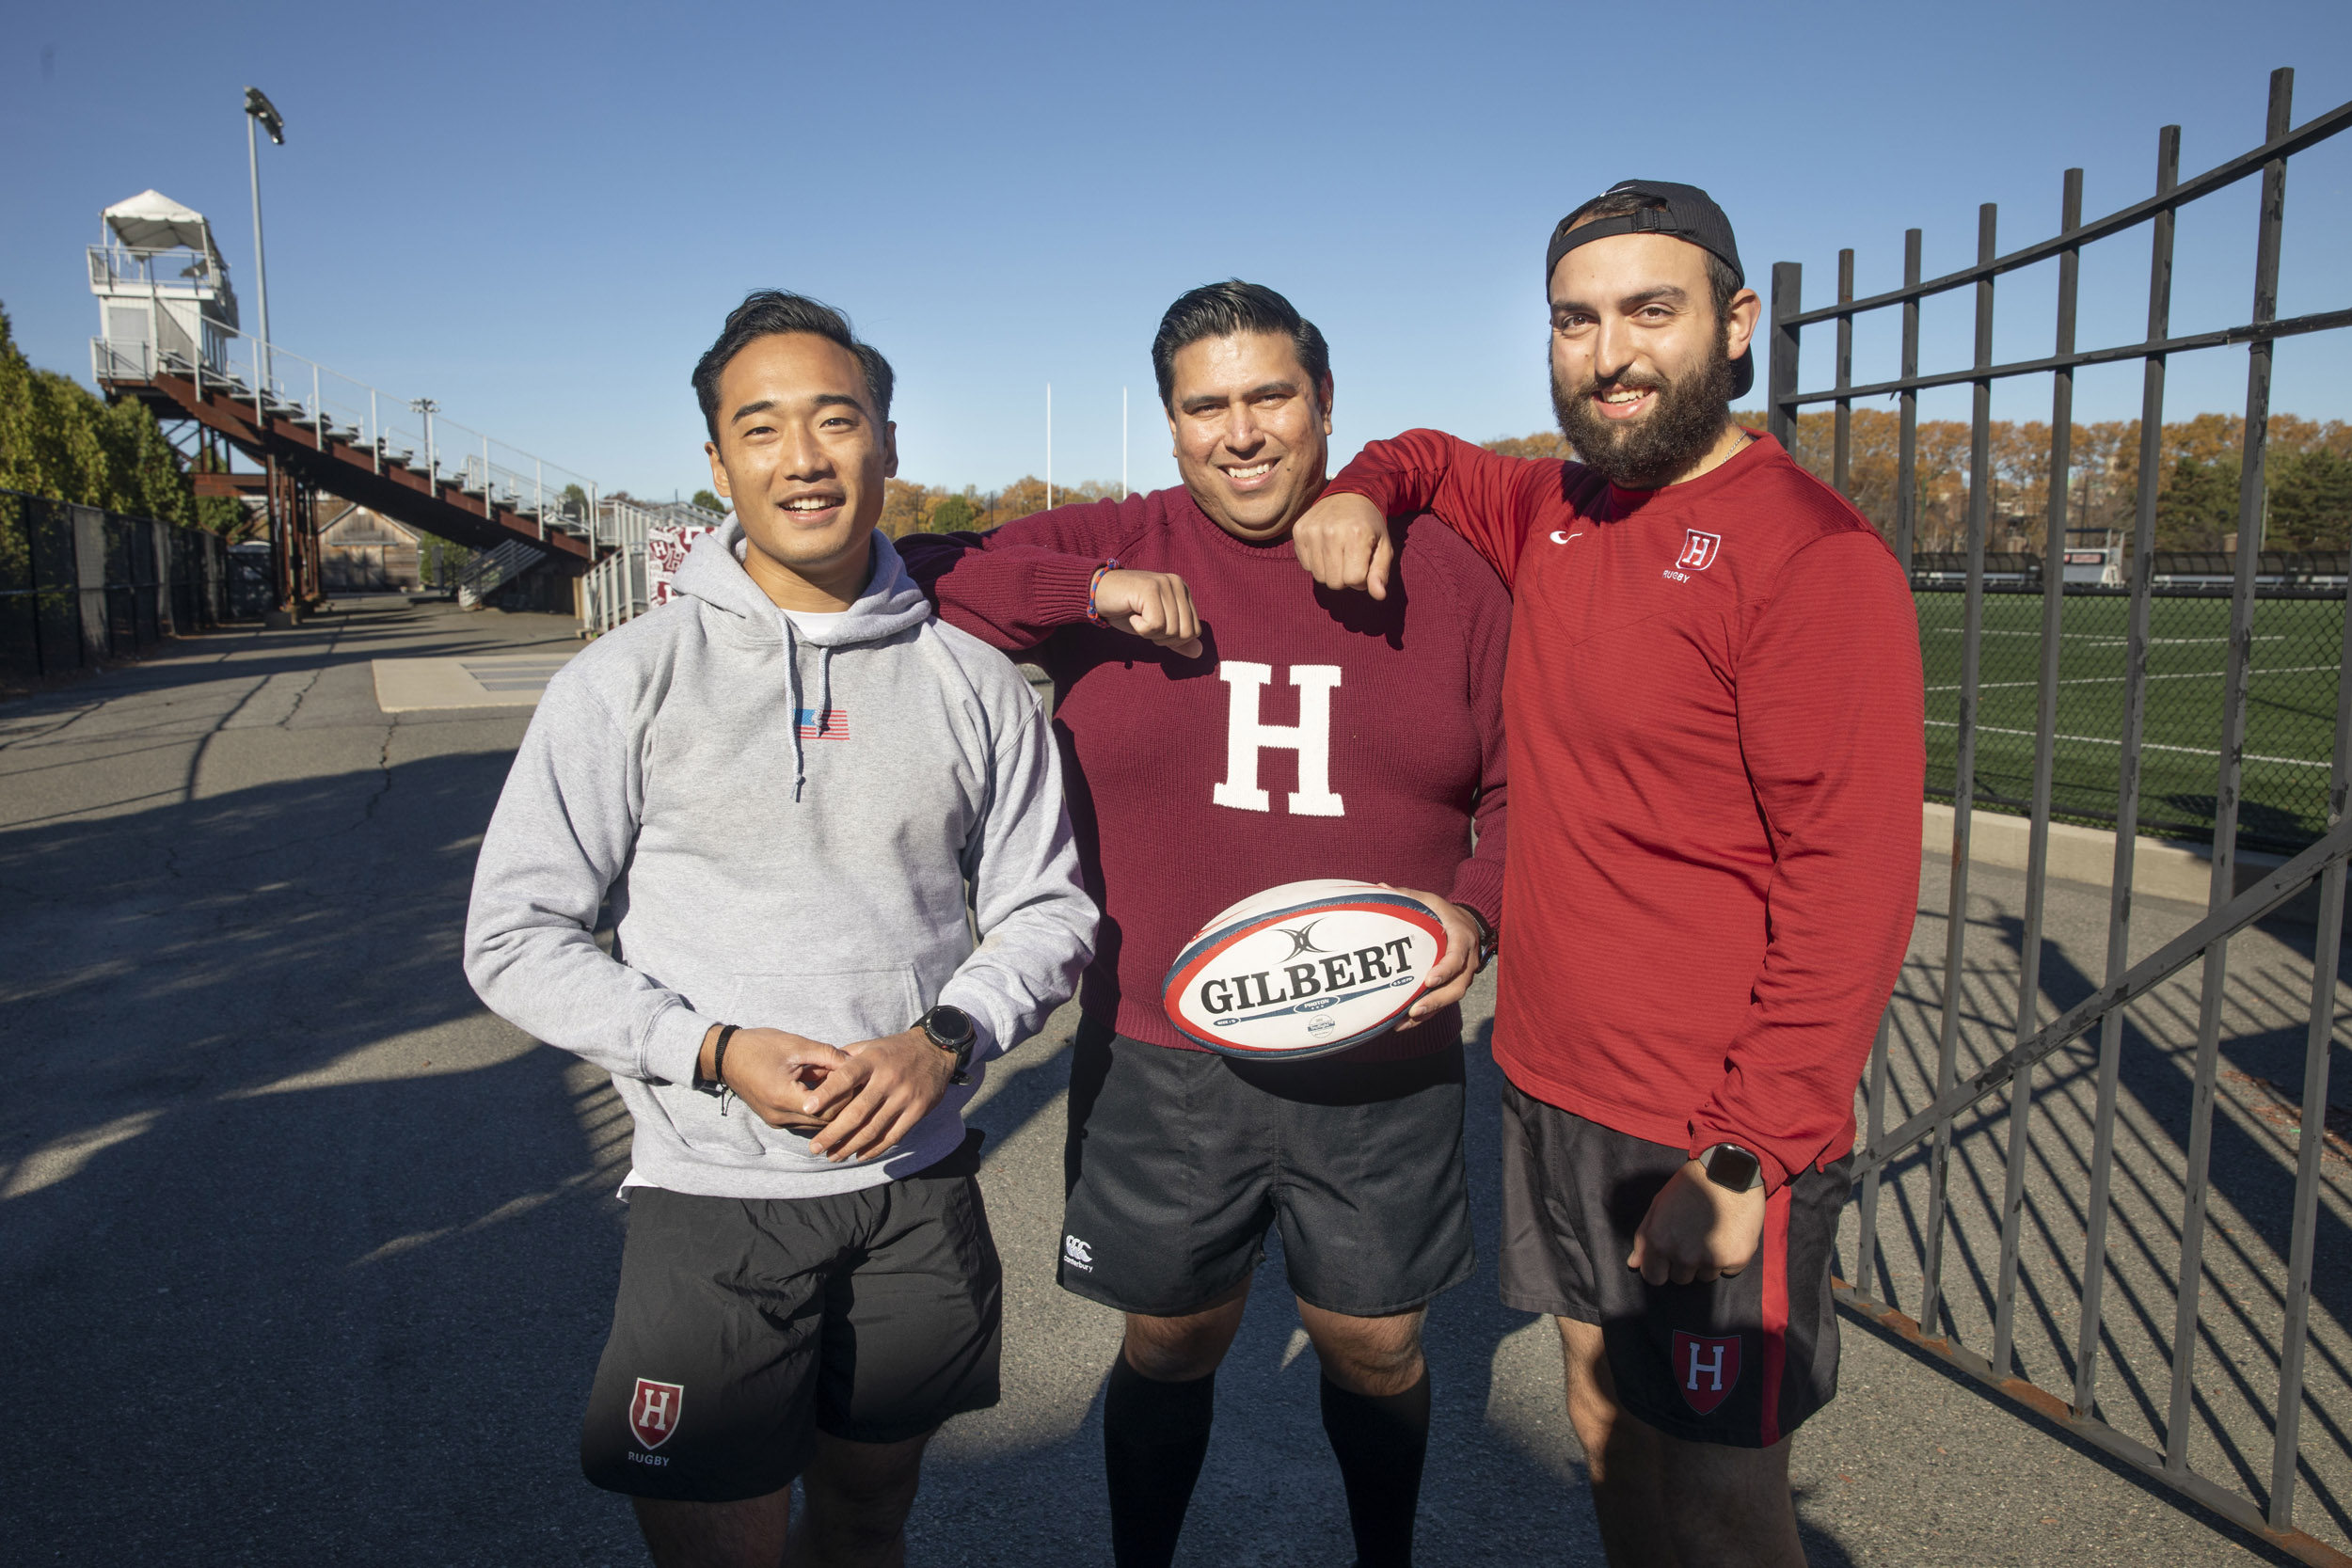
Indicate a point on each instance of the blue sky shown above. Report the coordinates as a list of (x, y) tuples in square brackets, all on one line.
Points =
[(540, 215)]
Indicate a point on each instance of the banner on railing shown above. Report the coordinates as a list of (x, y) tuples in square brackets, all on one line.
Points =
[(665, 552)]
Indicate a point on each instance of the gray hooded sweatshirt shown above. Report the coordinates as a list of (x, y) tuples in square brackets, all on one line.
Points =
[(784, 822)]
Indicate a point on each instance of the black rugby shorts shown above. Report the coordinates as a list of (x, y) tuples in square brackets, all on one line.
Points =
[(1740, 1361), (1179, 1162), (744, 1326)]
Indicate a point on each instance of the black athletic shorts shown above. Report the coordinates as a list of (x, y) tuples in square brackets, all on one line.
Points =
[(1740, 1361), (744, 1326), (1178, 1162)]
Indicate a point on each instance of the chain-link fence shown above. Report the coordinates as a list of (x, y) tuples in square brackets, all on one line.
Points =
[(2290, 720), (79, 584)]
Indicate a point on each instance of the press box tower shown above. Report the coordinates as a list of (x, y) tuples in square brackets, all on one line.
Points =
[(163, 301)]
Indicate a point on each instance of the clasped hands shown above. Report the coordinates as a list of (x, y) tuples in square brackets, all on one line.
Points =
[(854, 1100)]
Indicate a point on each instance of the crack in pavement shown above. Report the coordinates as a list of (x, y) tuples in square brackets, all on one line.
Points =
[(343, 624), (383, 765)]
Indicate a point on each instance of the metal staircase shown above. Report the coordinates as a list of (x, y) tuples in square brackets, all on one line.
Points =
[(169, 337), (485, 574)]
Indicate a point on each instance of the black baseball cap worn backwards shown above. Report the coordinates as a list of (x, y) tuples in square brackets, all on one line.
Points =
[(1682, 213)]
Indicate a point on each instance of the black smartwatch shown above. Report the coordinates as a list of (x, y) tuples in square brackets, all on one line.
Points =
[(950, 1029), (1729, 1165)]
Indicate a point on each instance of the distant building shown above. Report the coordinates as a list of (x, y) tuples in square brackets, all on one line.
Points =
[(363, 551)]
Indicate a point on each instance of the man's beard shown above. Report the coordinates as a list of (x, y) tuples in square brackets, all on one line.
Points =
[(1689, 415)]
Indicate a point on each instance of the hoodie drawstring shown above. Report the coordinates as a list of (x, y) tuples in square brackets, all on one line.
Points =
[(792, 700), (824, 687)]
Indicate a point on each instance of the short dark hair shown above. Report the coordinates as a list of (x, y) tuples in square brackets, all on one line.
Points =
[(772, 312), (1721, 282), (1223, 309)]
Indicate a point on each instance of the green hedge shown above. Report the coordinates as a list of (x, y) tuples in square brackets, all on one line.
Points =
[(60, 441)]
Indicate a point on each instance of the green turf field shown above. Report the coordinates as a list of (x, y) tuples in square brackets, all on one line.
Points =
[(2290, 720)]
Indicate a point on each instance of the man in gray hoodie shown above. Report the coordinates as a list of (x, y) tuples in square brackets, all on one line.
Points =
[(786, 785)]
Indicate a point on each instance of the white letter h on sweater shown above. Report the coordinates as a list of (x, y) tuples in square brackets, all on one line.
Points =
[(1311, 738)]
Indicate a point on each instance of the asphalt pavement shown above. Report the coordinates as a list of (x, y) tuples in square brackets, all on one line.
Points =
[(305, 1258)]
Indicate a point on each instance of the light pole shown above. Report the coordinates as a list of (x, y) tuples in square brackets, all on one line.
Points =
[(432, 463), (260, 111)]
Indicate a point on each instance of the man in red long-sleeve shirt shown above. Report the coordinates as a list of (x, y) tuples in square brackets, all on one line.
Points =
[(1714, 708), (1276, 733)]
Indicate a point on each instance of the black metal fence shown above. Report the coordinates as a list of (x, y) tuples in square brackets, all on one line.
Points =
[(79, 584), (2007, 678)]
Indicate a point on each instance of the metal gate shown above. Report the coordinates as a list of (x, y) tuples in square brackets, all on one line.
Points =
[(1933, 1130)]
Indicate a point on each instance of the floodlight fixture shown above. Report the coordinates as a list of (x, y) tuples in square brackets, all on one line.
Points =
[(257, 103)]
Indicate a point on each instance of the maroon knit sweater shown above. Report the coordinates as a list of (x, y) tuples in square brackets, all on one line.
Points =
[(1184, 776)]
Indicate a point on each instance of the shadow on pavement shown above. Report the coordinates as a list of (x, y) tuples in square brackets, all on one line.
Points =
[(305, 1258)]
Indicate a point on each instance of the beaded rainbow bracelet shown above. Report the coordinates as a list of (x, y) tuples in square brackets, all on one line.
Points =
[(1095, 586)]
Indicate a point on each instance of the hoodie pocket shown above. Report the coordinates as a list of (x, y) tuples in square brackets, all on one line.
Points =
[(840, 1007)]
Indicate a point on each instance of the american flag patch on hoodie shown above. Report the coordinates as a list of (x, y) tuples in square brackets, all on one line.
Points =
[(835, 726)]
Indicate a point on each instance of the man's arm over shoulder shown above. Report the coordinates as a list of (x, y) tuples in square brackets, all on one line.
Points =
[(564, 825), (1482, 618), (1036, 922), (1832, 729), (1016, 585), (1489, 499)]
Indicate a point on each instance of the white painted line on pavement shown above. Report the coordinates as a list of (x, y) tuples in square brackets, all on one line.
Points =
[(493, 680)]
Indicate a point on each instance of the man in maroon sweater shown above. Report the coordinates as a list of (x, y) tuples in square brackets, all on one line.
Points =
[(1274, 734), (1715, 714)]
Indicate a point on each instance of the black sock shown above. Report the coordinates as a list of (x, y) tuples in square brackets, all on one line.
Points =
[(1154, 1436), (1381, 1440)]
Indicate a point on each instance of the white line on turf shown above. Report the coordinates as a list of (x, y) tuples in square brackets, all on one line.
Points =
[(2116, 642), (2145, 745), (2178, 675)]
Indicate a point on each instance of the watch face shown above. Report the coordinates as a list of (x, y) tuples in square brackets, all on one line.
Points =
[(950, 1027), (1733, 1168)]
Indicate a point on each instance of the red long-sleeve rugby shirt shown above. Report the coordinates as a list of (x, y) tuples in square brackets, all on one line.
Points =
[(1318, 734), (1715, 718)]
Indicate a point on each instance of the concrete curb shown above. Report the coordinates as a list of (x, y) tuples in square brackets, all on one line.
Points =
[(2161, 868)]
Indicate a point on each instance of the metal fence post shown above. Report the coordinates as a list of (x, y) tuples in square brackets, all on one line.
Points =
[(1841, 453), (1787, 299), (2233, 702), (1907, 450), (2094, 1274), (2044, 750), (1931, 1313), (2313, 1135), (1906, 530)]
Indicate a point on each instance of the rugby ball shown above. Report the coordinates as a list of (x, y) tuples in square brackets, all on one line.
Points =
[(1303, 969)]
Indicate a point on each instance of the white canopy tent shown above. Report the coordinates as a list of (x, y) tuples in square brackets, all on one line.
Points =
[(152, 221)]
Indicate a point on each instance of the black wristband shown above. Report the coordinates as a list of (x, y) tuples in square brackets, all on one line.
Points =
[(719, 1055), (1486, 933), (717, 1082)]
